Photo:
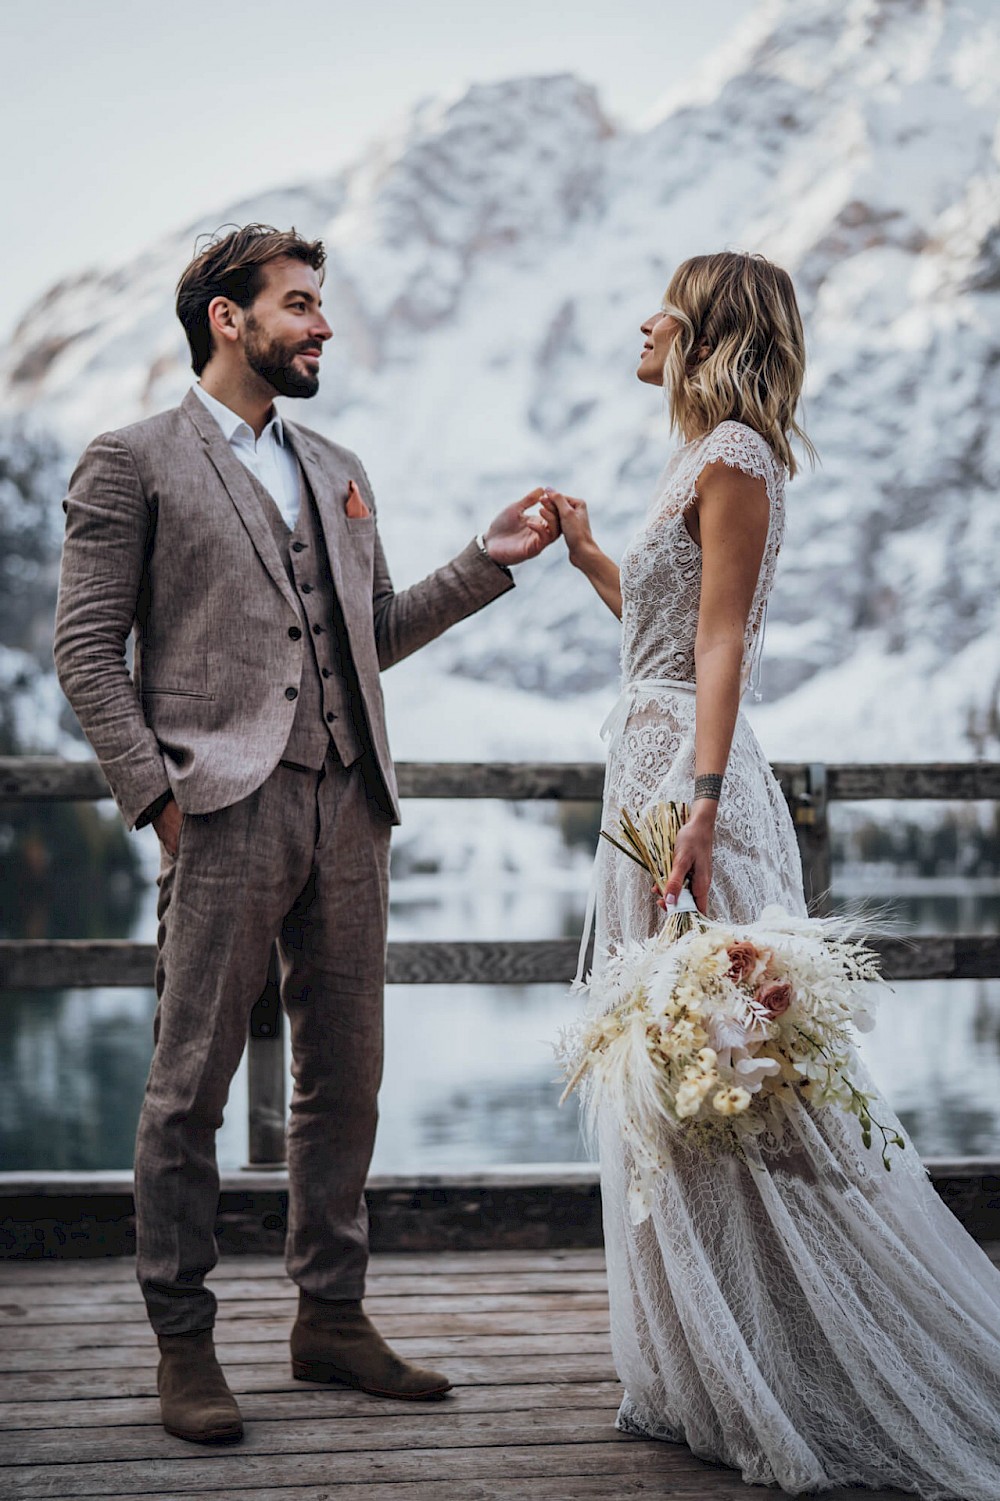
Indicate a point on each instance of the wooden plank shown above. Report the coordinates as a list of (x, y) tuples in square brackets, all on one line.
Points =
[(532, 1421), (75, 963), (951, 781), (507, 962), (383, 1291), (302, 1403), (419, 1347), (35, 1314), (200, 1475), (69, 1334), (430, 1219), (940, 957), (262, 1375), (511, 781), (390, 1264), (43, 778), (440, 1424), (711, 1485), (49, 779), (437, 1213), (248, 1272), (36, 964)]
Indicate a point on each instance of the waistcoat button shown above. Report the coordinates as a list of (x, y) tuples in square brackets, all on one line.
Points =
[(291, 693), (294, 632)]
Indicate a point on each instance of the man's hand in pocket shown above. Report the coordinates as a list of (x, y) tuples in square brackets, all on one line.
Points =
[(168, 826)]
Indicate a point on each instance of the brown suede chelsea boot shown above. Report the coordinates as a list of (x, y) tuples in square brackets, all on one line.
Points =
[(336, 1341), (195, 1402)]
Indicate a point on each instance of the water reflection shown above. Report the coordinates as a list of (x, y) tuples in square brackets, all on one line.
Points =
[(470, 1078)]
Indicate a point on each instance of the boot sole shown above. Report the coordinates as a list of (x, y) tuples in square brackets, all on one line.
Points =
[(217, 1436), (321, 1371)]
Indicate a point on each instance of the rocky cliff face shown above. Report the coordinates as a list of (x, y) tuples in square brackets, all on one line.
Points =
[(489, 267)]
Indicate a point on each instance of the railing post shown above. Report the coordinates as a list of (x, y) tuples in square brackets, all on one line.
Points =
[(812, 829), (266, 1077)]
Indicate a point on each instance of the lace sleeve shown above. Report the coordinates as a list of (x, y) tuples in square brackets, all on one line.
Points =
[(739, 447)]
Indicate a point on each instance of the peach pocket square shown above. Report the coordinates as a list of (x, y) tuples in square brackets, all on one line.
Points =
[(355, 507)]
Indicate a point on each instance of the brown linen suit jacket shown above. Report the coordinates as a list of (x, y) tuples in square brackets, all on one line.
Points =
[(166, 537)]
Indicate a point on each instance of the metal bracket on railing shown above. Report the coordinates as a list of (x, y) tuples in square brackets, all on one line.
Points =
[(809, 795)]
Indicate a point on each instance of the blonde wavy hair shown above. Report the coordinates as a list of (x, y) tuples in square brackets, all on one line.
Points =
[(739, 354)]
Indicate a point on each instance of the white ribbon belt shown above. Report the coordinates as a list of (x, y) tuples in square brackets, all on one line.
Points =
[(611, 731), (614, 725)]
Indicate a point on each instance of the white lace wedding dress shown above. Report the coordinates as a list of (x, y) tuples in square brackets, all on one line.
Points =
[(805, 1317)]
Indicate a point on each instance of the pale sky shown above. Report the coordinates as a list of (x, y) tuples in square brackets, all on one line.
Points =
[(125, 119)]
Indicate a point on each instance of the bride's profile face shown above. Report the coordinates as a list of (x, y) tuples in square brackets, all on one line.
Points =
[(660, 330)]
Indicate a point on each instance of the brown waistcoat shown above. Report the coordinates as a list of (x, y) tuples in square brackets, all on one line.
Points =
[(329, 706)]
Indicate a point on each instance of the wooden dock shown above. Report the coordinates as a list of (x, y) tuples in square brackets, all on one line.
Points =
[(523, 1334)]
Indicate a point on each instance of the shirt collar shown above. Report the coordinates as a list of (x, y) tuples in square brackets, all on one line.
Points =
[(232, 424)]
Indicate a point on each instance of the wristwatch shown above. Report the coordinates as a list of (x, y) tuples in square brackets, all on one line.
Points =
[(481, 544)]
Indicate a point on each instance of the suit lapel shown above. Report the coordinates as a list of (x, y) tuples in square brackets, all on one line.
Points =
[(331, 515), (349, 551), (240, 488)]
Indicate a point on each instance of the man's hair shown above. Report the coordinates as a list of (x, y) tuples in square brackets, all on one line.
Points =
[(232, 265)]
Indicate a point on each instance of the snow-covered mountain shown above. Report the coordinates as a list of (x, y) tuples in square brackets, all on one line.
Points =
[(489, 267)]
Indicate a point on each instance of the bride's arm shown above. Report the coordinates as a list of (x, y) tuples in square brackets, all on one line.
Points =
[(732, 517), (584, 552)]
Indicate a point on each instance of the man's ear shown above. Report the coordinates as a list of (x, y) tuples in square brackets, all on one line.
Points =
[(223, 319)]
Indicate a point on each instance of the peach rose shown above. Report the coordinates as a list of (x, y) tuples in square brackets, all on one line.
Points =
[(743, 959), (775, 997)]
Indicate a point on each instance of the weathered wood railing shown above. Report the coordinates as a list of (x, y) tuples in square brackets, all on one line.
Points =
[(809, 789)]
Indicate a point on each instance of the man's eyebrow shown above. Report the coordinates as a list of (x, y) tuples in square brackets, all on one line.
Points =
[(309, 297)]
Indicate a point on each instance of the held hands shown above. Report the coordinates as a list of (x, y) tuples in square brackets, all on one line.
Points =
[(693, 855), (514, 536), (570, 517)]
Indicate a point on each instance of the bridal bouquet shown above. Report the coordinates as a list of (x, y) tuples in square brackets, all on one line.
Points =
[(708, 1029)]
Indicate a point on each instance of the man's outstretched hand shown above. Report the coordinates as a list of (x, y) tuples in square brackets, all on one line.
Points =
[(514, 536)]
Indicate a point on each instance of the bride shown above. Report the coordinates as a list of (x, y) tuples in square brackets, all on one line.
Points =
[(797, 1312)]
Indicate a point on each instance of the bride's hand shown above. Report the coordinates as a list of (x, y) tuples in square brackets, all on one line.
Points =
[(693, 855), (574, 522)]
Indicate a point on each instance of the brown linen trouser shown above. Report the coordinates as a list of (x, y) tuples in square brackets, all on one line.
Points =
[(304, 860)]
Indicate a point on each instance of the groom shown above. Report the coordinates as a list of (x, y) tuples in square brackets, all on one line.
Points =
[(243, 552)]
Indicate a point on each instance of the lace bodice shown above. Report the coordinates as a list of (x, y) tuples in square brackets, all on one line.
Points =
[(661, 568)]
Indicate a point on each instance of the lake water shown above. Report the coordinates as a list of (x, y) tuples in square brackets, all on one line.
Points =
[(470, 1078)]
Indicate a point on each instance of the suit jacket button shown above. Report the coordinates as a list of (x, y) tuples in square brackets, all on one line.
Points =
[(294, 633), (306, 588), (326, 672), (291, 693), (330, 718)]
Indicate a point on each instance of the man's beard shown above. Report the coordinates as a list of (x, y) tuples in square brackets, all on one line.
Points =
[(272, 361)]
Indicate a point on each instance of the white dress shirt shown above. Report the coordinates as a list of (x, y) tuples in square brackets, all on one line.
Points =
[(269, 458)]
